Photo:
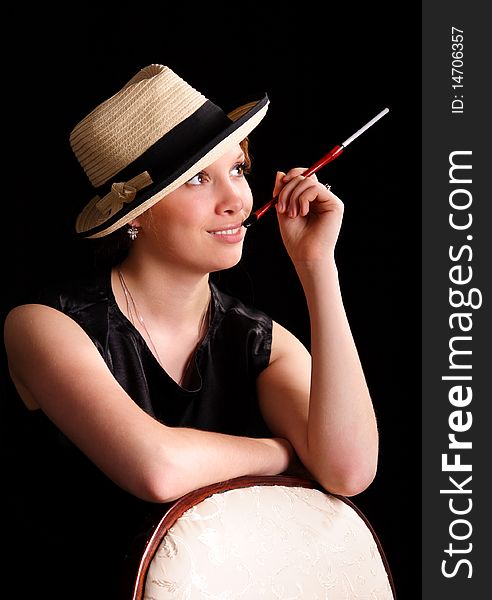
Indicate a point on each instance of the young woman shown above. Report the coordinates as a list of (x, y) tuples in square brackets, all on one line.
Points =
[(163, 382)]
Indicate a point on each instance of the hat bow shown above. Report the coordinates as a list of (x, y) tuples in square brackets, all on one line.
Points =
[(121, 193)]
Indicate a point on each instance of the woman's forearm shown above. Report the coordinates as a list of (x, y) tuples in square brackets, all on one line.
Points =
[(191, 458), (79, 394), (342, 437)]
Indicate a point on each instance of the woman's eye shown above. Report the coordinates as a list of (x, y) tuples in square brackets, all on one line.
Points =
[(196, 180), (240, 168)]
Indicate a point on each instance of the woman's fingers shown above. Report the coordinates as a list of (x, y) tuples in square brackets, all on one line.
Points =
[(297, 194), (278, 183)]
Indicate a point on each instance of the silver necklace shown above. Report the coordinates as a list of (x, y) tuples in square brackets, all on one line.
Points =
[(131, 310), (133, 313)]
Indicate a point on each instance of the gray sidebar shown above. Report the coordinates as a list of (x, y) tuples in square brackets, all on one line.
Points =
[(457, 295)]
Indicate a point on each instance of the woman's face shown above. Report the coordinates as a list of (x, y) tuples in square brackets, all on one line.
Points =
[(198, 226)]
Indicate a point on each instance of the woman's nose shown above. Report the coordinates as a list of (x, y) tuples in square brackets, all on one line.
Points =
[(230, 198)]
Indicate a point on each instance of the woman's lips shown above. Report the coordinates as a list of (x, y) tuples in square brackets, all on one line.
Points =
[(230, 234)]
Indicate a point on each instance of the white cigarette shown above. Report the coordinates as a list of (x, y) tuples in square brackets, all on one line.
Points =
[(366, 126)]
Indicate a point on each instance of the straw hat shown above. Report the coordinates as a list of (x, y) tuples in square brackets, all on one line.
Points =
[(148, 139)]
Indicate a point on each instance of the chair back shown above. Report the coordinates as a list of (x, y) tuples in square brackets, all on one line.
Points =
[(263, 538)]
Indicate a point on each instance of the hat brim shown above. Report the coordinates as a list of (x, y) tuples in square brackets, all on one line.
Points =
[(243, 122)]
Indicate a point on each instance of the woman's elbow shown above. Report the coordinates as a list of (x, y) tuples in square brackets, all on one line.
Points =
[(158, 482), (356, 484), (349, 480)]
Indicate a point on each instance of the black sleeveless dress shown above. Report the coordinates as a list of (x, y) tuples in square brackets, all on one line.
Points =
[(82, 532)]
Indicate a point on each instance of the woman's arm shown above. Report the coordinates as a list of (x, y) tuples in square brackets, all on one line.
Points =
[(321, 402), (55, 366)]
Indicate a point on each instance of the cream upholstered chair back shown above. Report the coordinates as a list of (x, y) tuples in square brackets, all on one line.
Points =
[(262, 538)]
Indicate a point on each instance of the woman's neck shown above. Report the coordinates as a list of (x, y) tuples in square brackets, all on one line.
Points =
[(171, 310), (168, 296)]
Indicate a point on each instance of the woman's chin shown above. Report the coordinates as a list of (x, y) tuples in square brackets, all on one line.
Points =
[(226, 262)]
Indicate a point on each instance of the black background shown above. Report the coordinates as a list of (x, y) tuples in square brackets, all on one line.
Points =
[(328, 68)]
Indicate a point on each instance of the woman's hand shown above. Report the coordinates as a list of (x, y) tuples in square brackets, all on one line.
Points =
[(309, 216)]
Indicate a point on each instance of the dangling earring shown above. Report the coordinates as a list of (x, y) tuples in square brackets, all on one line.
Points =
[(132, 231)]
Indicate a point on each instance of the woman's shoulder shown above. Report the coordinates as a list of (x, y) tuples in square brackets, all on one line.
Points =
[(84, 300), (74, 294), (239, 309), (54, 306)]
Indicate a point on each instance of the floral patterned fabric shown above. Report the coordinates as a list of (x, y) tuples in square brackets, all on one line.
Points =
[(269, 542)]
